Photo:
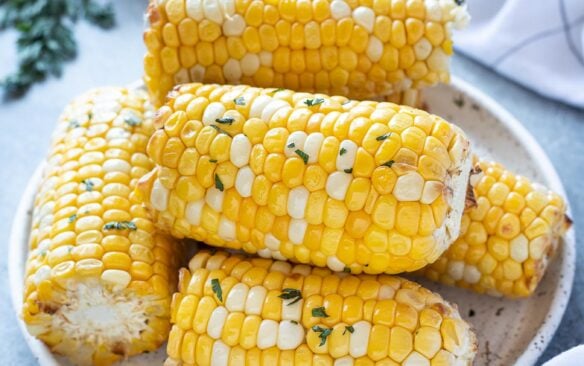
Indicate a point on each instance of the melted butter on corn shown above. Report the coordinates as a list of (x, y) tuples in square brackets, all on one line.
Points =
[(371, 186), (371, 319), (507, 239), (98, 277), (362, 49)]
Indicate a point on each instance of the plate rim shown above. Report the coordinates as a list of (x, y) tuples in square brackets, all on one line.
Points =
[(18, 240)]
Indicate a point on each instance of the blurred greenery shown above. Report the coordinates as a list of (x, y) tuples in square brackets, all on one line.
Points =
[(45, 39)]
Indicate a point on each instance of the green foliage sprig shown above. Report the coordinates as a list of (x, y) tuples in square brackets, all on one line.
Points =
[(45, 36)]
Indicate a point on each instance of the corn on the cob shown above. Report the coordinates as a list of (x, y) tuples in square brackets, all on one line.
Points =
[(361, 49), (374, 187), (98, 278), (507, 239), (232, 310)]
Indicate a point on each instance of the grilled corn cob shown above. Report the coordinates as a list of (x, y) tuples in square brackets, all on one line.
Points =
[(236, 311), (507, 239), (361, 49), (374, 187), (98, 278)]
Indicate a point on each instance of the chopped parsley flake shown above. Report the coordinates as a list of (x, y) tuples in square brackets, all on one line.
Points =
[(294, 322), (239, 101), (212, 160), (220, 130), (349, 328), (120, 225), (132, 120), (313, 102), (72, 218), (319, 312), (324, 333), (291, 294), (459, 2), (348, 171), (346, 102), (383, 137), (343, 151), (303, 155), (74, 124), (225, 120), (347, 270), (88, 185), (388, 163), (218, 183), (277, 90), (291, 145), (216, 287)]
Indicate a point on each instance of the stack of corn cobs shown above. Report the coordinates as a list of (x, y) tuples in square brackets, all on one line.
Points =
[(311, 202)]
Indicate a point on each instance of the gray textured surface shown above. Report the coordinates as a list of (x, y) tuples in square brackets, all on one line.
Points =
[(114, 57)]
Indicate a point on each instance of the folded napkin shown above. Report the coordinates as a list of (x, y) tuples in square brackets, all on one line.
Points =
[(539, 44)]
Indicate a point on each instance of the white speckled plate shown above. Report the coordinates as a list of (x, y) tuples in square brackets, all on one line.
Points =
[(510, 331)]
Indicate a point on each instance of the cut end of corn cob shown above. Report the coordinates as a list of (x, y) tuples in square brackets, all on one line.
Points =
[(507, 238), (364, 50), (366, 186), (98, 278), (232, 310)]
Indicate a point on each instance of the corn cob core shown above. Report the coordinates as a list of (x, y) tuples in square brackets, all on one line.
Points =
[(370, 186), (98, 278), (507, 239), (361, 49), (232, 310)]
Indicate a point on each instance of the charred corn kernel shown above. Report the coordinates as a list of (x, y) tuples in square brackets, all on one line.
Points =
[(335, 180), (100, 250), (310, 316), (359, 50), (498, 246)]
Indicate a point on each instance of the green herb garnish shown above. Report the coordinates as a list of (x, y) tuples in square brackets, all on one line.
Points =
[(291, 294), (120, 225), (347, 269), (324, 333), (239, 101), (212, 160), (216, 287), (44, 36), (277, 90), (319, 312), (303, 155), (349, 328), (313, 102), (388, 163), (294, 322), (346, 102), (74, 124), (225, 120), (88, 185), (348, 171), (218, 183), (72, 218), (343, 151), (291, 145), (132, 120), (383, 137), (220, 130)]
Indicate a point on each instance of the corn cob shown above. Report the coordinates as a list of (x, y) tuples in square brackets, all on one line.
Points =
[(373, 187), (361, 49), (98, 278), (232, 310), (507, 239)]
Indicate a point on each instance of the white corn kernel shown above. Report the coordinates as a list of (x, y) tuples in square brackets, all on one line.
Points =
[(347, 154), (214, 199), (312, 146), (416, 359), (271, 242), (365, 17), (213, 111), (295, 141), (409, 187), (226, 229), (266, 58), (344, 361), (340, 9), (240, 150), (471, 274), (234, 26), (386, 292), (335, 263), (337, 185), (232, 70), (422, 49), (296, 230), (193, 212), (255, 300), (290, 335), (228, 8), (213, 11), (292, 311), (235, 300), (159, 196), (519, 249), (297, 201), (244, 181), (116, 278), (281, 266), (374, 49), (250, 63), (117, 165), (216, 322), (456, 270), (359, 339), (220, 354), (267, 334), (432, 190), (272, 107), (194, 9)]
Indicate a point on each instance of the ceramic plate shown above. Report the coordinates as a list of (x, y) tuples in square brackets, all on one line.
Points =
[(510, 331)]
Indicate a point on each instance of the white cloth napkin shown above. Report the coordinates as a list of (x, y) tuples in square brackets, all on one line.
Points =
[(572, 357), (539, 44)]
